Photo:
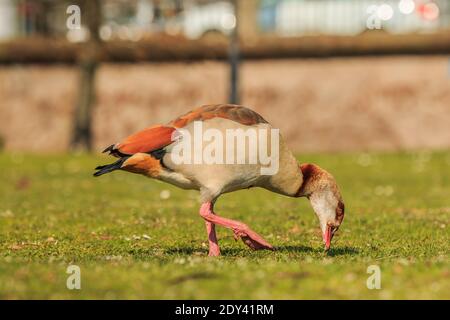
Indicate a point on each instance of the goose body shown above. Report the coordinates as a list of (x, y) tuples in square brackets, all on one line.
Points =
[(215, 179), (217, 149)]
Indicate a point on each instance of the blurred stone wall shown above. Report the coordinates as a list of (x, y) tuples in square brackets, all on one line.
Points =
[(339, 104)]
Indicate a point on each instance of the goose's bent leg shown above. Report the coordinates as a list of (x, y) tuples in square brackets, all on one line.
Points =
[(241, 230), (214, 249)]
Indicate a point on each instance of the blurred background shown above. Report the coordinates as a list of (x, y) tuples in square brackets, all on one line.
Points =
[(333, 75)]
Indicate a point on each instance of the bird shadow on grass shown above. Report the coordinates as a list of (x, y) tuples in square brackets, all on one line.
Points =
[(343, 251), (202, 251), (296, 249), (333, 252), (339, 251)]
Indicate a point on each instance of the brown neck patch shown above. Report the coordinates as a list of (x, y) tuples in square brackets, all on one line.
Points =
[(340, 211), (316, 179), (310, 173)]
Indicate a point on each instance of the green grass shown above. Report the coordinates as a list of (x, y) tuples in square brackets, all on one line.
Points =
[(131, 243)]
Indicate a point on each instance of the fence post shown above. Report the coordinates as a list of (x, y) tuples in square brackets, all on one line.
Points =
[(234, 58)]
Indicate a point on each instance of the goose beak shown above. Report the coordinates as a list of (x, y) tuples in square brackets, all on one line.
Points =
[(327, 237)]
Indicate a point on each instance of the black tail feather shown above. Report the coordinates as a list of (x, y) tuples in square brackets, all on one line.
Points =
[(109, 167)]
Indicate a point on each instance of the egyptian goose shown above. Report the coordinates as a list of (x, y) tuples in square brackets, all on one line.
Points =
[(151, 152)]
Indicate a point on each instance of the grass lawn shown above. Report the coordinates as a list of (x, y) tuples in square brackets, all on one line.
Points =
[(137, 238)]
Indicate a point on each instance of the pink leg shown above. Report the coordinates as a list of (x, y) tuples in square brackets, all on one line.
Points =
[(214, 249), (250, 238)]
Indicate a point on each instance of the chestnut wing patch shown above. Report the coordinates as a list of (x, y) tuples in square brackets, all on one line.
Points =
[(147, 140), (232, 112), (155, 138)]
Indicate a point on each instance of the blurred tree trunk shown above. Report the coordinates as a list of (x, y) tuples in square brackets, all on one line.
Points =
[(88, 61)]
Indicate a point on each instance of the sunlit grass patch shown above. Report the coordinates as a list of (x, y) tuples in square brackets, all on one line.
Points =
[(137, 238)]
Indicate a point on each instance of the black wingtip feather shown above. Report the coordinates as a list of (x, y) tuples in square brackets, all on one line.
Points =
[(115, 152), (110, 149)]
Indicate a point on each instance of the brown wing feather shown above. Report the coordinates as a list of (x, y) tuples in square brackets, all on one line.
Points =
[(159, 136), (147, 140), (232, 112)]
